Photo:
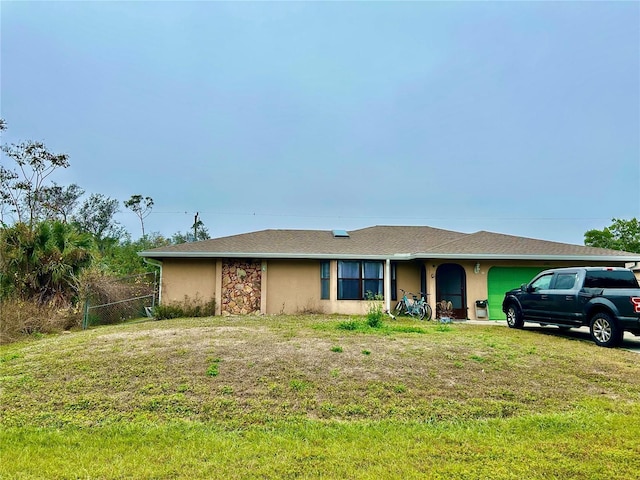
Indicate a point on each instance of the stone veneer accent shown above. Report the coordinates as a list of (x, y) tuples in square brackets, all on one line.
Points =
[(241, 286)]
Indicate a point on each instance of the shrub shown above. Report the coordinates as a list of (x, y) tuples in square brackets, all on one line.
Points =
[(375, 313), (19, 318), (166, 312), (188, 308)]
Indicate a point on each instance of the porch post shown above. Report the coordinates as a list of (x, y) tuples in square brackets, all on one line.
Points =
[(387, 285), (218, 292)]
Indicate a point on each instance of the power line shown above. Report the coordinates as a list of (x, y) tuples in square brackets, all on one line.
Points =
[(365, 217)]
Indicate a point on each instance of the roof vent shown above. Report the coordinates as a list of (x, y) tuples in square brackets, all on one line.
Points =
[(340, 234)]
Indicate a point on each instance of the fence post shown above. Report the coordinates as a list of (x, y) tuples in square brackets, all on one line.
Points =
[(85, 316)]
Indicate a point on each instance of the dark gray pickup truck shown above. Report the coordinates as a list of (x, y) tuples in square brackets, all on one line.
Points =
[(606, 299)]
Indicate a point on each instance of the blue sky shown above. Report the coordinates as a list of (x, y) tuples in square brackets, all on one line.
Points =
[(514, 117)]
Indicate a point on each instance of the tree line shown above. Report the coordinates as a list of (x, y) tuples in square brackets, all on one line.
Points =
[(50, 234)]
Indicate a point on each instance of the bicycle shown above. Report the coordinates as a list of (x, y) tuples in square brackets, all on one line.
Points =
[(414, 307), (428, 310)]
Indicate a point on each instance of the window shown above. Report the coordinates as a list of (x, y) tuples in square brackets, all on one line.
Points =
[(357, 280), (565, 281), (542, 283), (324, 280), (372, 279), (610, 279)]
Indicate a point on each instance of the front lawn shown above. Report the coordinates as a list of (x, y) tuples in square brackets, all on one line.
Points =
[(316, 397)]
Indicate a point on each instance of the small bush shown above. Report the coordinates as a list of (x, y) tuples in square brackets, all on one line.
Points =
[(165, 312), (375, 313), (19, 318), (188, 308)]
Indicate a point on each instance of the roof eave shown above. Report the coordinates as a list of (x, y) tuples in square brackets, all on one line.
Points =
[(293, 256), (528, 256), (395, 256)]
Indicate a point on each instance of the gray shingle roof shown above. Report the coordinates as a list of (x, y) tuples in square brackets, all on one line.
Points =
[(384, 242), (500, 244)]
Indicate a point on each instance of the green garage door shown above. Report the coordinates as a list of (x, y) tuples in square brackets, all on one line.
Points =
[(503, 279)]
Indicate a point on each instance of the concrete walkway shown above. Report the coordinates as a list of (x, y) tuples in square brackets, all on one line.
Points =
[(629, 342)]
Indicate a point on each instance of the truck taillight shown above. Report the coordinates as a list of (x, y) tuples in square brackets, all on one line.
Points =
[(636, 304)]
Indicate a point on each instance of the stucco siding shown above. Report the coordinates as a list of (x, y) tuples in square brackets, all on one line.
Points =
[(194, 279), (293, 286), (407, 278)]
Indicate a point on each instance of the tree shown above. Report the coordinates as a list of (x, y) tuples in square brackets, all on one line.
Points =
[(141, 207), (620, 235), (60, 202), (95, 216), (199, 232), (43, 262), (24, 188), (123, 258)]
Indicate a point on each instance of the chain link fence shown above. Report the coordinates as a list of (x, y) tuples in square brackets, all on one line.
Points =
[(111, 300)]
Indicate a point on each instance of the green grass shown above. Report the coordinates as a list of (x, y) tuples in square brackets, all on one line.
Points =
[(269, 398)]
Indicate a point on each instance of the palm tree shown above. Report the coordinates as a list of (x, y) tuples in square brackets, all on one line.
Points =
[(44, 263)]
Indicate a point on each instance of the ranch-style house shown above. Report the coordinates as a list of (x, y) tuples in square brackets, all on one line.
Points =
[(296, 271)]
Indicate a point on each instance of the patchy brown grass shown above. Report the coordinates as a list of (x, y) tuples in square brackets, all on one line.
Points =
[(287, 367), (19, 318)]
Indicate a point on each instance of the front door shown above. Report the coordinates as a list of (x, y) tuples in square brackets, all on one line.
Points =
[(451, 286)]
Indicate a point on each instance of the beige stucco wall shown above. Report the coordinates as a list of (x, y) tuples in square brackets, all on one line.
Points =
[(191, 278), (292, 286), (408, 277)]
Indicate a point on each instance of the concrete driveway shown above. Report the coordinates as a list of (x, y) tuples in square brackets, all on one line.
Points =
[(630, 342)]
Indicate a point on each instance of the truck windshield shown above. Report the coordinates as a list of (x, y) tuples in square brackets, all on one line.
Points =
[(610, 279)]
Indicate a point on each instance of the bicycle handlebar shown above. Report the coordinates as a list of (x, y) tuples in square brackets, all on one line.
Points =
[(404, 292)]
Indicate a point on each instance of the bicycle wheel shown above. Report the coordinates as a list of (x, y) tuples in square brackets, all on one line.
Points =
[(421, 311), (428, 311), (400, 308)]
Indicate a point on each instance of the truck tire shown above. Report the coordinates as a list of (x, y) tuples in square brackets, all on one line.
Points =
[(514, 316), (605, 331)]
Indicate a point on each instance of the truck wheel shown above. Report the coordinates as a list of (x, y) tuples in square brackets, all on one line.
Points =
[(605, 331), (514, 317)]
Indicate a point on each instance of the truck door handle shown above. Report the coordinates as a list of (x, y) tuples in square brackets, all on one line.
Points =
[(569, 297), (544, 297)]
